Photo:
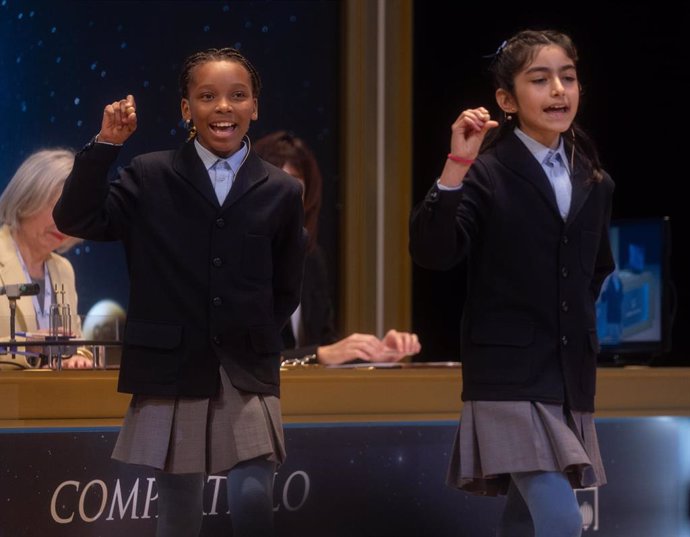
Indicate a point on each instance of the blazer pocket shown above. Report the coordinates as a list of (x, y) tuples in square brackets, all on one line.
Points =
[(516, 333), (153, 335), (257, 258), (502, 352)]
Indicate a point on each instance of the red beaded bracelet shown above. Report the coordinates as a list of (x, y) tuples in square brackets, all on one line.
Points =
[(460, 160)]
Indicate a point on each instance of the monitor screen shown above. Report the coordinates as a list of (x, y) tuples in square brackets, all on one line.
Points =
[(633, 319)]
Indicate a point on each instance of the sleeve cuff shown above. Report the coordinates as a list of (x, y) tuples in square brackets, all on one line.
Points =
[(97, 141), (447, 188)]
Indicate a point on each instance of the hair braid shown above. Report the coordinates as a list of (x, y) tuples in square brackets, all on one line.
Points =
[(217, 54)]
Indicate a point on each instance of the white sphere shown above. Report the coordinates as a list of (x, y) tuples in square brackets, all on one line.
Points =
[(104, 321)]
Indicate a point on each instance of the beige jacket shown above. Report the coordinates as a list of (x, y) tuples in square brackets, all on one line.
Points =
[(61, 273)]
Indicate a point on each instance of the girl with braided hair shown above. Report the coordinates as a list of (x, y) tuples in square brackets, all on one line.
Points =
[(215, 248)]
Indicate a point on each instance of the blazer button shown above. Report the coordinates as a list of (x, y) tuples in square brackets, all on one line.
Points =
[(220, 222), (564, 341), (217, 340), (564, 272), (217, 301), (564, 239), (217, 261), (564, 306)]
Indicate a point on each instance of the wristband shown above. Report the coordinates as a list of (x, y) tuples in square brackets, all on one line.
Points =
[(460, 160)]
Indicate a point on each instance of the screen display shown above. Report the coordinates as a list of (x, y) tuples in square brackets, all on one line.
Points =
[(631, 309)]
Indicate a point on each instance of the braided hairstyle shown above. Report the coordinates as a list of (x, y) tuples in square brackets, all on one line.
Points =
[(216, 55), (516, 54)]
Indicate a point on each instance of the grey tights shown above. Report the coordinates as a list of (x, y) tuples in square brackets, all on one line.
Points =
[(250, 499)]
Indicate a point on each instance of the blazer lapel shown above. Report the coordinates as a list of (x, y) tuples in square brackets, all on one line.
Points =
[(251, 173), (513, 154), (188, 164), (581, 190)]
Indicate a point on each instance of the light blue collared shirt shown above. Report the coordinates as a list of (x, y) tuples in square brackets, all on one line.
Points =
[(540, 151), (222, 176), (558, 173)]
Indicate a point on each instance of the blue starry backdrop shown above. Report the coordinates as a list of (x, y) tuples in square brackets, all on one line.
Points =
[(61, 62)]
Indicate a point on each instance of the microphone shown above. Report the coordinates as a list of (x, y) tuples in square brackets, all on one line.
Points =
[(16, 290)]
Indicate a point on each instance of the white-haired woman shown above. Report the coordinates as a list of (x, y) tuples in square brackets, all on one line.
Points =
[(28, 242)]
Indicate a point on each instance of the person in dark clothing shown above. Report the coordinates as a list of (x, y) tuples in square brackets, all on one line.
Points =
[(311, 334)]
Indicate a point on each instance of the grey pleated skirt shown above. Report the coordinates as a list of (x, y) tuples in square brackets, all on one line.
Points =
[(201, 435), (497, 438)]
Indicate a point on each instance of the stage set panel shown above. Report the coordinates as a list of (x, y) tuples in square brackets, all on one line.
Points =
[(367, 455)]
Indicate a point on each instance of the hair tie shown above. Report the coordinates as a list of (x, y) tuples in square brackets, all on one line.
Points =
[(498, 52)]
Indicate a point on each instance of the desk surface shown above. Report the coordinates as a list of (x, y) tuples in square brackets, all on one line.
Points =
[(44, 398)]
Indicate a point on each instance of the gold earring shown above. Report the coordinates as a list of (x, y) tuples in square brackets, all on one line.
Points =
[(191, 129)]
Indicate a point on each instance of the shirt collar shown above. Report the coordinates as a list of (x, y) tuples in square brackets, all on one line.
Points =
[(209, 159), (540, 151)]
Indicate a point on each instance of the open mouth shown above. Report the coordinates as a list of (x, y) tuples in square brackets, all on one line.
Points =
[(558, 109), (223, 127)]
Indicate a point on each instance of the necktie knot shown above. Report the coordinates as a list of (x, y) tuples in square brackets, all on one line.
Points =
[(222, 179), (222, 165), (553, 160)]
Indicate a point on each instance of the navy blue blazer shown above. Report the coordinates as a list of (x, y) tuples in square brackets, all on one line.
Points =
[(529, 329), (209, 284)]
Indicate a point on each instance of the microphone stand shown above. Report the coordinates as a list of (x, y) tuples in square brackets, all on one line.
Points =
[(14, 292), (13, 319)]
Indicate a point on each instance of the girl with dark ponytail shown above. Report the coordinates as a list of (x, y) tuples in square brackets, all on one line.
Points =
[(509, 60), (525, 202)]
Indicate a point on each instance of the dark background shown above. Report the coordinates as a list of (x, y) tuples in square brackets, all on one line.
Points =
[(634, 62), (62, 61)]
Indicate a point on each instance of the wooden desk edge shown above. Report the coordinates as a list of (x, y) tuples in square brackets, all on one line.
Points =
[(317, 394)]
